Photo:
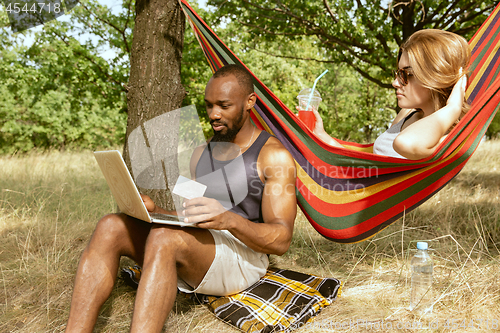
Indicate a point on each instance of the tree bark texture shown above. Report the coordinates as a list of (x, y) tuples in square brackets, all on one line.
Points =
[(155, 66)]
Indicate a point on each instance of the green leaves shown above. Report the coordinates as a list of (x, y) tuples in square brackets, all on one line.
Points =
[(352, 108), (363, 34), (60, 93), (358, 40), (195, 72), (52, 122)]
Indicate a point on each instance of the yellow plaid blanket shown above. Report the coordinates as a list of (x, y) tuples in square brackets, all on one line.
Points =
[(279, 301)]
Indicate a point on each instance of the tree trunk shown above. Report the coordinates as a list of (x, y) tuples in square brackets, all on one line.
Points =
[(155, 67)]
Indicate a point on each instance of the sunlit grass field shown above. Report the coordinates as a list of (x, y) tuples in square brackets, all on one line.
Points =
[(50, 203)]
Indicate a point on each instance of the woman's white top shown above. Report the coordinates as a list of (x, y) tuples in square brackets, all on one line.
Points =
[(384, 143)]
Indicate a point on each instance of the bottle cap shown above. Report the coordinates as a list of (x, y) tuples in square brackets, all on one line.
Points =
[(422, 246)]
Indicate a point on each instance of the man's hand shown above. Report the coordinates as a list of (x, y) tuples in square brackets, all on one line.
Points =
[(207, 212), (150, 205)]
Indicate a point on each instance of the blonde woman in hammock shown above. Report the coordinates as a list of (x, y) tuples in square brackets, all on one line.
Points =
[(430, 88)]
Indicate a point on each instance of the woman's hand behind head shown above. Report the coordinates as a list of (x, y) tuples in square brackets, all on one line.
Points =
[(457, 95)]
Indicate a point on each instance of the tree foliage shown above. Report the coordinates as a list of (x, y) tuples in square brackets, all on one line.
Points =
[(352, 109), (56, 94), (62, 92), (363, 34), (66, 63), (195, 71)]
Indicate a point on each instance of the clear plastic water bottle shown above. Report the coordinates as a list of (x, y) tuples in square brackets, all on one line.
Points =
[(421, 281)]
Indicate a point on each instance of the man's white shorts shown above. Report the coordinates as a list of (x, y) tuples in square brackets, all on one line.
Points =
[(235, 267)]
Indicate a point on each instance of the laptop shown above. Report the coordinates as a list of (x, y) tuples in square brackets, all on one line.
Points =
[(125, 192)]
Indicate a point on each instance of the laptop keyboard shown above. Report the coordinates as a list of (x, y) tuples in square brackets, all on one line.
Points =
[(164, 217)]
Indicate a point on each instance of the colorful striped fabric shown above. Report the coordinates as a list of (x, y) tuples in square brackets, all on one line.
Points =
[(349, 195)]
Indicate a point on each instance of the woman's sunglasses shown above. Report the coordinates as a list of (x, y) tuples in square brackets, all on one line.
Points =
[(402, 75)]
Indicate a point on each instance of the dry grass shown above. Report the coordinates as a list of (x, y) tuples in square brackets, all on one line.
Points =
[(49, 204)]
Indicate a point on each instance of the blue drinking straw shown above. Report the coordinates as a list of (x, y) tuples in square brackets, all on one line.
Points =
[(314, 86)]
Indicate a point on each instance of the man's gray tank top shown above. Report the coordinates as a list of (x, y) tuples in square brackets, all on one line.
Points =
[(384, 143), (234, 183)]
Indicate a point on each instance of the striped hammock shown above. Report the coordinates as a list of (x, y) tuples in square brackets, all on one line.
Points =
[(349, 195)]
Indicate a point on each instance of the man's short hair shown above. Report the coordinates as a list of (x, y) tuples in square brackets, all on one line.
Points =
[(245, 79)]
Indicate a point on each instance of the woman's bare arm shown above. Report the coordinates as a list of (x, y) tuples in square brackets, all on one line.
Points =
[(420, 139)]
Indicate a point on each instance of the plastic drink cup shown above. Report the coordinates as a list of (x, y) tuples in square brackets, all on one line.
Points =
[(308, 118), (306, 114)]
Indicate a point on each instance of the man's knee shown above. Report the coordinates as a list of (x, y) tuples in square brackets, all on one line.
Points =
[(167, 241), (182, 244), (110, 227), (119, 232)]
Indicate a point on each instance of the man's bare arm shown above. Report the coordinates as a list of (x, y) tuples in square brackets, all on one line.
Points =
[(279, 206)]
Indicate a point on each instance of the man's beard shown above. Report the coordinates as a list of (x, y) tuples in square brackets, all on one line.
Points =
[(231, 131)]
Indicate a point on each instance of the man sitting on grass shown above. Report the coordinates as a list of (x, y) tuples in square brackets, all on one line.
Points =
[(227, 252)]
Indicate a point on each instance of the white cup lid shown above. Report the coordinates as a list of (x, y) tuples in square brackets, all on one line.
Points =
[(306, 92)]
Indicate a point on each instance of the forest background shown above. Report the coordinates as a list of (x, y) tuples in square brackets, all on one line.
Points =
[(61, 92), (66, 94)]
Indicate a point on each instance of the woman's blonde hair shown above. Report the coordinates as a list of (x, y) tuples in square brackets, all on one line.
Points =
[(436, 57)]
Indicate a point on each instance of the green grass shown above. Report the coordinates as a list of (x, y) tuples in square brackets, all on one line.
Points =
[(50, 203)]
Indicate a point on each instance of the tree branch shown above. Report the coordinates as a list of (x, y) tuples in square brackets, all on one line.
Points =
[(120, 31), (379, 36), (476, 14), (453, 17), (308, 25), (359, 70), (329, 10), (431, 15), (442, 18), (92, 61), (287, 56), (368, 76)]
